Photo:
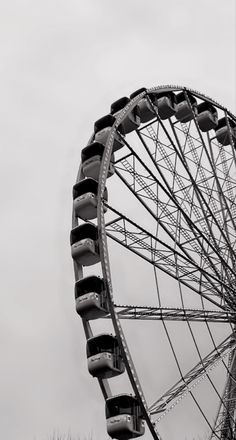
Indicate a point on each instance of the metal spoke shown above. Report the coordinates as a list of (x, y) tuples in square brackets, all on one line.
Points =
[(198, 204), (170, 218), (132, 236)]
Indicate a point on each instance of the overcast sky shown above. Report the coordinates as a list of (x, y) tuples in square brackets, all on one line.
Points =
[(62, 64)]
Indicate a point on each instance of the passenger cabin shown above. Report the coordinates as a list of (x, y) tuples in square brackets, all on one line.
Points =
[(85, 199), (207, 116), (91, 158), (102, 129), (166, 104), (146, 110), (90, 298), (104, 356), (225, 132), (124, 417), (186, 108), (84, 244), (132, 120)]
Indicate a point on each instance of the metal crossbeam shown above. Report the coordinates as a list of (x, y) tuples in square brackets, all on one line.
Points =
[(173, 314)]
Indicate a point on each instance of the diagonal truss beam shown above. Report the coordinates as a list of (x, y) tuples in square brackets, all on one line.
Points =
[(177, 392)]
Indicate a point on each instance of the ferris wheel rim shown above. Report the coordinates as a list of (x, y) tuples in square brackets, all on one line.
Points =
[(102, 232)]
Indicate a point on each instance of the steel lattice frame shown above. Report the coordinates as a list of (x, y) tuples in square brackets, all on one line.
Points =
[(196, 214)]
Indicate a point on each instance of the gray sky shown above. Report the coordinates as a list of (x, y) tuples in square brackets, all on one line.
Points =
[(62, 64)]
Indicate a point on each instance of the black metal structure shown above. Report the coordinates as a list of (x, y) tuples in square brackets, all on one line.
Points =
[(171, 181)]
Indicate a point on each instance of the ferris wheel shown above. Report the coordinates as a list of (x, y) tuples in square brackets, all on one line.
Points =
[(153, 243)]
